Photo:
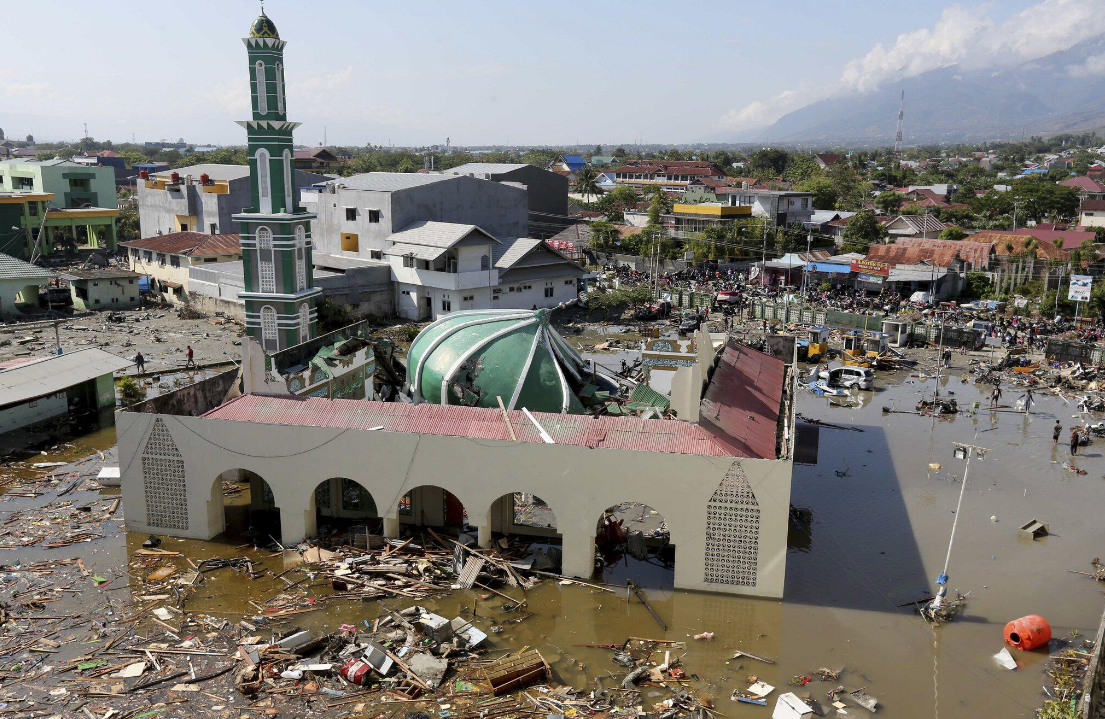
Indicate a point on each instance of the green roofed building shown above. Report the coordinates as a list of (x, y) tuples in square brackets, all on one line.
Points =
[(473, 358)]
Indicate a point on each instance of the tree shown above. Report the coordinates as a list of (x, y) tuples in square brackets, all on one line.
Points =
[(862, 230), (587, 182), (824, 192), (603, 235), (620, 152), (889, 202), (768, 162), (127, 225), (659, 205), (1099, 234), (953, 233)]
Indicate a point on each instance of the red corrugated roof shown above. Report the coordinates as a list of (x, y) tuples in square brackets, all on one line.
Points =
[(632, 433), (195, 244), (743, 401)]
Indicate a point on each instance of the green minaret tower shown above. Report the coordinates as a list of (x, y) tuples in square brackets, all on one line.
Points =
[(276, 231)]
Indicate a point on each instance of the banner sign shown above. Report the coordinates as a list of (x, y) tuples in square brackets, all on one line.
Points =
[(875, 279), (1080, 286), (871, 267)]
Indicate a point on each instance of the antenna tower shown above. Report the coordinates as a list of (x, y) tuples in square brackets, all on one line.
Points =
[(898, 134)]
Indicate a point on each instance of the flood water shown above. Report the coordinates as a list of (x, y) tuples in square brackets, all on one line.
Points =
[(876, 538)]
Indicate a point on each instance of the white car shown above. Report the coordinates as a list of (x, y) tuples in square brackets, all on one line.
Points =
[(861, 377)]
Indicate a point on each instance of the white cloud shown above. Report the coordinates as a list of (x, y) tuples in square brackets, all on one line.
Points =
[(1094, 65), (961, 36)]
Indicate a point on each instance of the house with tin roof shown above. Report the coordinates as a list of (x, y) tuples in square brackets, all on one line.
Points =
[(166, 259)]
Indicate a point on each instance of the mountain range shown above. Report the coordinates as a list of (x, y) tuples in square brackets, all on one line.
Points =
[(1060, 92)]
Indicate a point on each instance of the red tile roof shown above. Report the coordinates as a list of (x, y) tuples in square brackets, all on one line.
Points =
[(195, 244), (1086, 184), (630, 433), (743, 400), (1092, 205)]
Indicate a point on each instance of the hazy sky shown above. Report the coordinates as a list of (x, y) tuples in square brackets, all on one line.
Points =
[(503, 72)]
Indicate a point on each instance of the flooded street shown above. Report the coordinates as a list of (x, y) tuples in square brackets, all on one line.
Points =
[(876, 536)]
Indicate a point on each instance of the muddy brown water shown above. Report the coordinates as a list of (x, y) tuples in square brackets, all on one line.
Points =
[(877, 538)]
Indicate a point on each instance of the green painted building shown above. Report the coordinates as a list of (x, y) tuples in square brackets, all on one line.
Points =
[(58, 196), (275, 229)]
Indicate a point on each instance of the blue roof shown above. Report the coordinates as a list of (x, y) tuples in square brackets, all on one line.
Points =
[(830, 267), (574, 162)]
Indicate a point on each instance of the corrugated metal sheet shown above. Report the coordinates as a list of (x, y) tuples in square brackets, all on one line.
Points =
[(743, 401), (53, 374), (632, 433)]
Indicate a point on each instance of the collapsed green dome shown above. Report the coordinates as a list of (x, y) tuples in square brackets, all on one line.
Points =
[(263, 27), (471, 358)]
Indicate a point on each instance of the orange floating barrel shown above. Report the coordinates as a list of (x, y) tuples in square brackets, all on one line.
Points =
[(1028, 632)]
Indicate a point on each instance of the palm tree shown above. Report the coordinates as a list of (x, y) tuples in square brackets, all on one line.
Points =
[(587, 182)]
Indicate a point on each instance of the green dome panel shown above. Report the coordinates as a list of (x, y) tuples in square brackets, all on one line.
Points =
[(471, 358), (263, 27)]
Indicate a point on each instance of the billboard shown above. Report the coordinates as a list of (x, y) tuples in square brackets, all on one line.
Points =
[(871, 267), (1080, 286)]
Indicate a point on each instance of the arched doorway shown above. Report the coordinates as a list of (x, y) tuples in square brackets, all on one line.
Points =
[(341, 505), (529, 524), (248, 507), (431, 506), (633, 543)]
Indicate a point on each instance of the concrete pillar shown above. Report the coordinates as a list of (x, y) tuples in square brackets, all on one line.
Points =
[(579, 554), (294, 526), (483, 535), (391, 527)]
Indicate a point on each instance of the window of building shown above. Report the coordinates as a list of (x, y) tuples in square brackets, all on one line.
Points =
[(214, 229), (147, 256), (350, 241), (300, 259), (350, 214), (468, 298), (210, 259), (268, 327), (262, 88), (32, 209), (376, 254), (279, 88), (265, 254), (405, 292), (485, 263), (161, 258), (183, 226), (289, 182), (569, 282), (548, 291), (511, 288), (374, 216), (304, 322), (446, 304), (174, 261), (408, 260)]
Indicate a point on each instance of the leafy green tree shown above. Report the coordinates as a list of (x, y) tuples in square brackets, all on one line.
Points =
[(889, 202), (799, 167), (1099, 234), (978, 285), (587, 182), (862, 231), (824, 192), (127, 225), (953, 233), (604, 235), (768, 162)]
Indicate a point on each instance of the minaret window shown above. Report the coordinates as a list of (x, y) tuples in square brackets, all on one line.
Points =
[(268, 327), (265, 257), (262, 89), (264, 193), (304, 322), (300, 258), (280, 88), (289, 183)]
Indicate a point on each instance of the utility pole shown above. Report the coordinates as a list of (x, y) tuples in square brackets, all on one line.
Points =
[(942, 581), (763, 260), (898, 134), (806, 269)]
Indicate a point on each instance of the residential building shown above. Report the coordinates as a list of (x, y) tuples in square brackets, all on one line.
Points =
[(783, 207), (546, 192), (357, 215), (1088, 188), (687, 221), (104, 158), (316, 159), (199, 198), (826, 160), (915, 226), (669, 175), (80, 202), (166, 259), (603, 161), (19, 285), (1061, 236), (74, 384), (1090, 214), (568, 163), (442, 267), (110, 288)]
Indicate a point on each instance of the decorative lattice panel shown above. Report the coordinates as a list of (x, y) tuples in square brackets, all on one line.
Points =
[(732, 531), (163, 480)]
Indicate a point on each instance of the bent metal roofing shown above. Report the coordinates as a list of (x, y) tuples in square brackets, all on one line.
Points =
[(53, 374), (631, 433)]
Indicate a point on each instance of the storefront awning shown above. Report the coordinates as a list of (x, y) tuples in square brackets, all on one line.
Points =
[(829, 268)]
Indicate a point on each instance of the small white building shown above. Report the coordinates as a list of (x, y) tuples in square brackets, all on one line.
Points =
[(442, 267)]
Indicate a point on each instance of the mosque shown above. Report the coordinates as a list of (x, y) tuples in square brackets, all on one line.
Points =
[(490, 405)]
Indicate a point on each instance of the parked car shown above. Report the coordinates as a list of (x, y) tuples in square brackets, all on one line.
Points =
[(861, 377)]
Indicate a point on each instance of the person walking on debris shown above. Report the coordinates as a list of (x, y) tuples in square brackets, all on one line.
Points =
[(948, 357), (1056, 432), (191, 358), (140, 363), (1073, 441), (995, 397)]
